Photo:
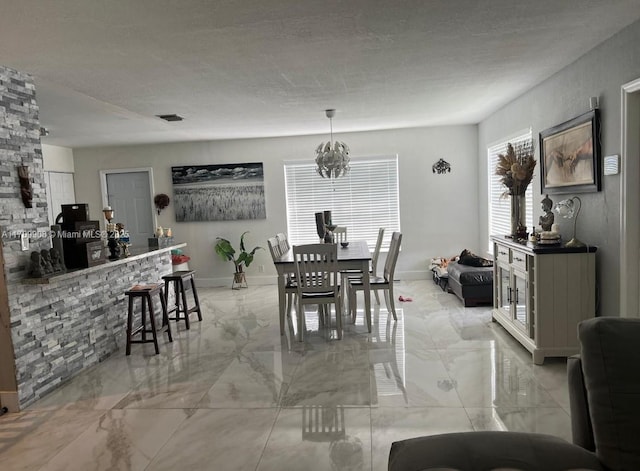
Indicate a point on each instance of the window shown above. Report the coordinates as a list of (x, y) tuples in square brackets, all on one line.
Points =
[(500, 207), (364, 200)]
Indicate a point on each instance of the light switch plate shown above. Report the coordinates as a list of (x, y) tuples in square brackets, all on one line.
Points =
[(612, 164), (24, 241)]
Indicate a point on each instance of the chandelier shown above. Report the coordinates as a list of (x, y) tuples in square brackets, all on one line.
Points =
[(333, 157)]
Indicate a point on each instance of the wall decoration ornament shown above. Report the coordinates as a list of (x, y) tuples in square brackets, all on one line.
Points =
[(218, 192), (26, 191), (570, 155), (441, 166), (161, 201)]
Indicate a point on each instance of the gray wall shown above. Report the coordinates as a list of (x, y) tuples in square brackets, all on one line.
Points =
[(439, 213), (601, 72)]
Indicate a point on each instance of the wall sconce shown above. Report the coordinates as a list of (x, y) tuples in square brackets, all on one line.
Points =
[(441, 166), (567, 209)]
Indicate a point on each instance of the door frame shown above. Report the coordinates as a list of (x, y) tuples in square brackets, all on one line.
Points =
[(149, 172), (630, 201)]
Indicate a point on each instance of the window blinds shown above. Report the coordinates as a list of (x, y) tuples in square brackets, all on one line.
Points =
[(364, 200)]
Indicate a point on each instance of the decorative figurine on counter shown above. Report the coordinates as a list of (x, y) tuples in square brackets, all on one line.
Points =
[(35, 266), (45, 258), (56, 261), (546, 220)]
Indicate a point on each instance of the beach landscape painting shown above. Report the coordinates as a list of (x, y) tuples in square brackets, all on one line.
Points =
[(218, 192)]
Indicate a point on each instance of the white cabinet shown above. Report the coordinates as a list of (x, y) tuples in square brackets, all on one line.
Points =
[(542, 293)]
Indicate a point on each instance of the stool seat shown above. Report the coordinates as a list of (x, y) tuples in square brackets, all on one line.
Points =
[(178, 279), (145, 293)]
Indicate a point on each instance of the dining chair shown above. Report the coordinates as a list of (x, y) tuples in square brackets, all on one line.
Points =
[(340, 234), (290, 286), (373, 271), (283, 242), (385, 282), (317, 281)]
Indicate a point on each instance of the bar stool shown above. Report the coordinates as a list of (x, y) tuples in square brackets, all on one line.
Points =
[(178, 279), (145, 293)]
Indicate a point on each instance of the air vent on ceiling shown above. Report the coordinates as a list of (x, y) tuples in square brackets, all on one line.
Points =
[(170, 117)]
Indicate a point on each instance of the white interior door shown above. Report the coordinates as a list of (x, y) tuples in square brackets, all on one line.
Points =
[(129, 194), (60, 190)]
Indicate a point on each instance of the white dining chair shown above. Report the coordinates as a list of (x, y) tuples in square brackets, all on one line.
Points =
[(290, 287), (385, 282), (373, 271), (317, 281), (340, 234), (283, 242)]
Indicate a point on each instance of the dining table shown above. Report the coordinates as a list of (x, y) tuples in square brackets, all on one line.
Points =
[(356, 256)]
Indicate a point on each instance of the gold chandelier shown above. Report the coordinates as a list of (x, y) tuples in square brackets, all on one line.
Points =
[(332, 158)]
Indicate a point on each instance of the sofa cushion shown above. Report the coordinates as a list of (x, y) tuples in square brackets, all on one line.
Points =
[(469, 276), (481, 451), (611, 364)]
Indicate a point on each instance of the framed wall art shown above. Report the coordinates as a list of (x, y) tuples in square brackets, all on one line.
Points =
[(570, 155), (218, 192)]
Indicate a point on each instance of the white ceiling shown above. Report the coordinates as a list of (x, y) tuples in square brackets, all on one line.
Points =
[(253, 68)]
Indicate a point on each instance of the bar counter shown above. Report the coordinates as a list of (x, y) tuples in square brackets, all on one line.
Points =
[(63, 324), (136, 254)]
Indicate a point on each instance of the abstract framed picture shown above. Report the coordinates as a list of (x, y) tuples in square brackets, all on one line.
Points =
[(218, 192), (570, 155)]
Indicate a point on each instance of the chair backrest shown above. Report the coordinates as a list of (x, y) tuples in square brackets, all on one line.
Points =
[(610, 356), (392, 256), (283, 242), (274, 247), (376, 252), (340, 234), (316, 267)]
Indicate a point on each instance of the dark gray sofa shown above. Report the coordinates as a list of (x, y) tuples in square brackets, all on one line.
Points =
[(604, 391), (473, 285)]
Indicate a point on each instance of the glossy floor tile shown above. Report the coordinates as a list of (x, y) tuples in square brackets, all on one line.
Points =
[(232, 394)]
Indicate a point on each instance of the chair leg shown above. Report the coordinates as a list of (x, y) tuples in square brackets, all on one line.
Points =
[(339, 317), (352, 304), (377, 297), (300, 314), (152, 321), (390, 301)]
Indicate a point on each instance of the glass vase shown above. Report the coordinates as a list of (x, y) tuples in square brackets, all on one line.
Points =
[(518, 215)]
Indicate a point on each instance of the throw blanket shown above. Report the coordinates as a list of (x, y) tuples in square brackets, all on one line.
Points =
[(473, 260)]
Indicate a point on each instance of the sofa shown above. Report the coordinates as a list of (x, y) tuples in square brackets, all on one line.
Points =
[(604, 393), (473, 285)]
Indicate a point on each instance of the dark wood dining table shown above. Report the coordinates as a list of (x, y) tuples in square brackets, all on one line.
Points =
[(356, 256)]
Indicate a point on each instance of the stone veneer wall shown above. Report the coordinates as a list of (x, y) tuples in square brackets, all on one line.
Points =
[(51, 322), (20, 145)]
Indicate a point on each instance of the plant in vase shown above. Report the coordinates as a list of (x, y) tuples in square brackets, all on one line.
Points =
[(243, 258), (515, 167)]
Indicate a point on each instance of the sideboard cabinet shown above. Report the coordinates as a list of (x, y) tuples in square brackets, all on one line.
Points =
[(541, 293)]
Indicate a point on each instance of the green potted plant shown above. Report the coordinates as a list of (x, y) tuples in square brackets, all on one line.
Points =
[(240, 259)]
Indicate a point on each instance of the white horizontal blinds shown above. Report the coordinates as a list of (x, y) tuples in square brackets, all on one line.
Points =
[(500, 207), (364, 200)]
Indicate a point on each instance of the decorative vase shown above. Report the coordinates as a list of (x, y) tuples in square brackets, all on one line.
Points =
[(518, 215)]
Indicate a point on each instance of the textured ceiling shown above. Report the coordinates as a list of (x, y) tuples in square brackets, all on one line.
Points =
[(235, 69)]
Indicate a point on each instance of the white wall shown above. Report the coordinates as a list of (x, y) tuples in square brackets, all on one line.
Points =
[(439, 213), (57, 159), (601, 72)]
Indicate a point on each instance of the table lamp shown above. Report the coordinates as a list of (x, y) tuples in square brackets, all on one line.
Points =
[(567, 209)]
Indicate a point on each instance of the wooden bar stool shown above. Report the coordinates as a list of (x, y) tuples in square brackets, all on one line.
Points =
[(145, 293), (178, 278)]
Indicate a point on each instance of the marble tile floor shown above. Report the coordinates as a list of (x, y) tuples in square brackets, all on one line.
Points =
[(231, 394)]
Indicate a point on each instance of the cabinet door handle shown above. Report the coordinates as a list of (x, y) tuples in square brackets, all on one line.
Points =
[(518, 259), (517, 296), (509, 296), (502, 253)]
